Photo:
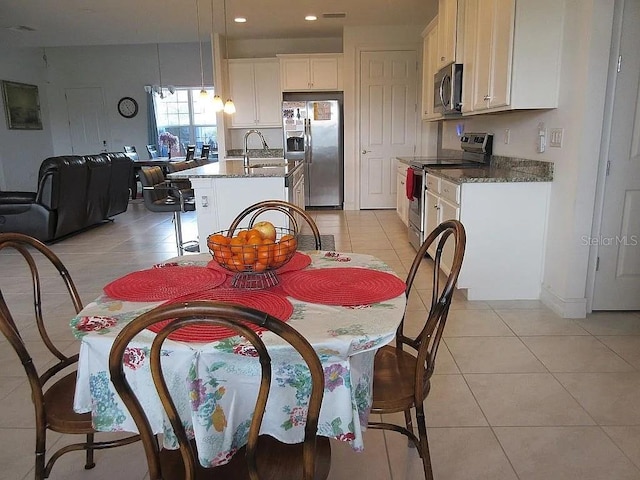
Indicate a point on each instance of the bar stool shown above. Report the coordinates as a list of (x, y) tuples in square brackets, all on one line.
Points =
[(159, 196)]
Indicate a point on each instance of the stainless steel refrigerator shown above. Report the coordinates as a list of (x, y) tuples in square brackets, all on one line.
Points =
[(313, 133)]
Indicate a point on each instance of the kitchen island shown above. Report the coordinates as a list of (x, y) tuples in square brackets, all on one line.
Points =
[(223, 189)]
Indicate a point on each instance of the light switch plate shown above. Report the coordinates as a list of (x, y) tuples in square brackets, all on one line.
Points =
[(555, 137)]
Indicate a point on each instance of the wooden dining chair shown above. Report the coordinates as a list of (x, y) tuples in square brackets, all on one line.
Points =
[(401, 379), (293, 212), (152, 150), (52, 398), (262, 457)]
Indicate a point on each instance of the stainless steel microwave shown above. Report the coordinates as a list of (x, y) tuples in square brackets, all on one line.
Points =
[(447, 90)]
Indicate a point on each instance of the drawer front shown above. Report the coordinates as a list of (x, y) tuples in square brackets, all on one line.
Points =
[(433, 183), (402, 169), (450, 191)]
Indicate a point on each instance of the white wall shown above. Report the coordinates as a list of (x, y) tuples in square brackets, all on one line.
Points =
[(120, 71), (23, 150), (585, 56)]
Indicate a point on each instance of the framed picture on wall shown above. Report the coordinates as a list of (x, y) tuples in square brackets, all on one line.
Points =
[(21, 106)]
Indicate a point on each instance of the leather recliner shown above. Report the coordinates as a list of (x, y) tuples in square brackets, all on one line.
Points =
[(74, 192)]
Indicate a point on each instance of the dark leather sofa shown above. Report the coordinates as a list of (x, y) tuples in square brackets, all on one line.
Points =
[(74, 192)]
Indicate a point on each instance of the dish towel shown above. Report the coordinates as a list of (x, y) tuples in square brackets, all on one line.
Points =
[(409, 184)]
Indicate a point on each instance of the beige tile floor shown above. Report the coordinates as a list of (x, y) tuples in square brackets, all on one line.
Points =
[(518, 393)]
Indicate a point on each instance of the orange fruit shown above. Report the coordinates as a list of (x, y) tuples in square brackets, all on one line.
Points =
[(243, 235), (248, 255), (254, 240), (221, 254), (280, 253), (235, 264), (264, 254), (290, 242), (219, 239), (259, 267), (254, 232), (236, 244)]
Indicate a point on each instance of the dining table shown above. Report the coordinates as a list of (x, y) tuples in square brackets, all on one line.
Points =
[(347, 305)]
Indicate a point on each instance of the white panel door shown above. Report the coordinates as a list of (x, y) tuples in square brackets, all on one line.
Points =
[(388, 82), (617, 281), (87, 120)]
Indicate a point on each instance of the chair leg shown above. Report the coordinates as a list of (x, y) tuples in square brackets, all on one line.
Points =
[(89, 464), (40, 454), (178, 229), (424, 443), (409, 423)]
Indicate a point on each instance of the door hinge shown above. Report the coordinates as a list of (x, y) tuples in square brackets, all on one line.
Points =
[(597, 263), (619, 67), (608, 167)]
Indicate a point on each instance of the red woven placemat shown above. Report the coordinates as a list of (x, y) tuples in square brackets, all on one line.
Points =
[(297, 262), (275, 305), (163, 283), (342, 286)]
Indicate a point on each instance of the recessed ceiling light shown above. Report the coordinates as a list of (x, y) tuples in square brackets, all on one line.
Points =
[(240, 20), (310, 18), (21, 28)]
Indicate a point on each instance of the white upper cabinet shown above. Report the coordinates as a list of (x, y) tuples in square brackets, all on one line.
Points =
[(310, 72), (255, 89), (429, 68), (447, 32), (511, 54)]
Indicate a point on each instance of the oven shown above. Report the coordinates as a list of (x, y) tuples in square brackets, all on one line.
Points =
[(475, 152), (416, 207)]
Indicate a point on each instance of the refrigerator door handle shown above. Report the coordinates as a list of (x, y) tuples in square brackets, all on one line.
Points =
[(309, 141)]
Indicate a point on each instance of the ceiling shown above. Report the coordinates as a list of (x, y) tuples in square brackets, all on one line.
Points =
[(111, 22)]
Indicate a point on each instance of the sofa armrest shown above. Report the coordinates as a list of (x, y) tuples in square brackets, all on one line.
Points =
[(12, 198)]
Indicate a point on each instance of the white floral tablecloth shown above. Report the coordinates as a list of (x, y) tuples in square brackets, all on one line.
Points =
[(215, 385)]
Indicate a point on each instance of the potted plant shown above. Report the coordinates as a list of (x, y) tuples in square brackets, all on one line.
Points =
[(169, 140)]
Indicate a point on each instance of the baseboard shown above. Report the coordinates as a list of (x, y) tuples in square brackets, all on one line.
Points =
[(566, 308)]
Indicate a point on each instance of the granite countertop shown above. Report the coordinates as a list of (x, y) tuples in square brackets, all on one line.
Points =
[(501, 170), (257, 153), (236, 169)]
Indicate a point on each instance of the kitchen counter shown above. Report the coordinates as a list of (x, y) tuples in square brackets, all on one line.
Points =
[(223, 189), (501, 170), (236, 169)]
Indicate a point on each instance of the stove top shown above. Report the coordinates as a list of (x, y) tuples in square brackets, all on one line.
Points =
[(476, 152)]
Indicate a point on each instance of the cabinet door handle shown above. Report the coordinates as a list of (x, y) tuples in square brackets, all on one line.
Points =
[(442, 59)]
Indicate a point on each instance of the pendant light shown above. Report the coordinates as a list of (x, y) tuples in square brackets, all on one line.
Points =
[(229, 106), (203, 92), (218, 104)]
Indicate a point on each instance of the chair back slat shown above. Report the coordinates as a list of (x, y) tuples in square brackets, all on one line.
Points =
[(289, 209)]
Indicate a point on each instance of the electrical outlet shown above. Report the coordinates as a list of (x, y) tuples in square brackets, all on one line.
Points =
[(541, 139), (555, 137), (507, 136)]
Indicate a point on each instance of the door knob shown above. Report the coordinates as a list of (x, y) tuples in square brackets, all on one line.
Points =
[(364, 152)]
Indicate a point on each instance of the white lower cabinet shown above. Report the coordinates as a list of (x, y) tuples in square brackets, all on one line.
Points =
[(402, 202), (505, 225)]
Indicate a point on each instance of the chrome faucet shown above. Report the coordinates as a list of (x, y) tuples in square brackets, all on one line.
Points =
[(245, 154)]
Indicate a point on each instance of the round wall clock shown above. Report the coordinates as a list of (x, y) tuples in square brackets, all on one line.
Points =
[(127, 107)]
